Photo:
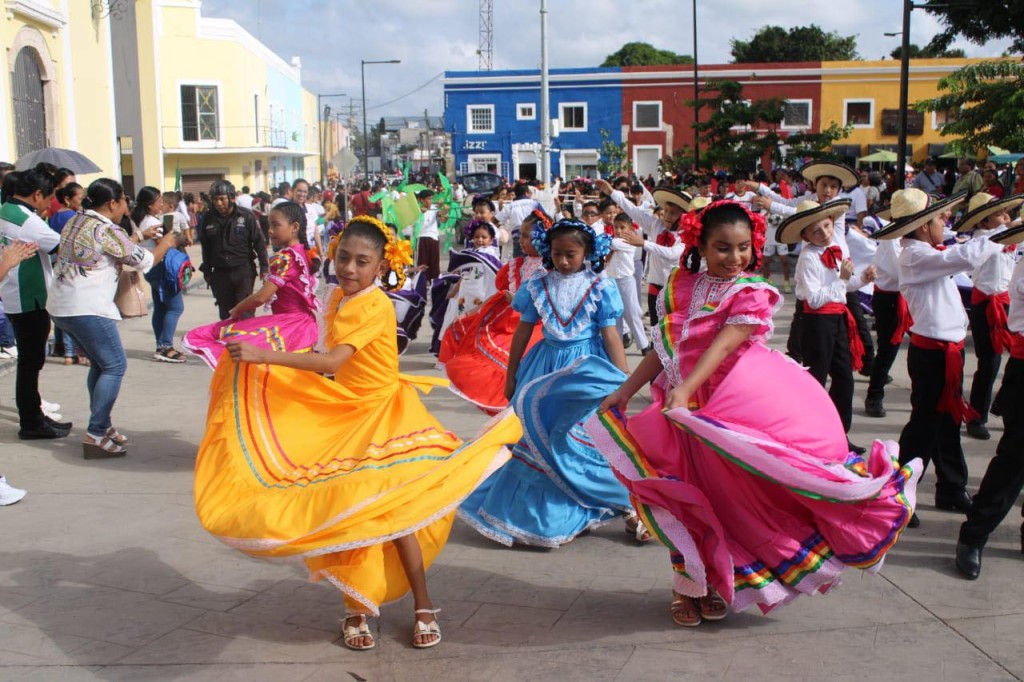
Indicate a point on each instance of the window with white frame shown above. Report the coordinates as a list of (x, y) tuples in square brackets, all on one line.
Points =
[(199, 113), (480, 118), (944, 117), (744, 103), (796, 113), (573, 117), (646, 115), (526, 111), (860, 113), (580, 163)]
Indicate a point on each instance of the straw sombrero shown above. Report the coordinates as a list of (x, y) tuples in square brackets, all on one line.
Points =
[(808, 213), (1015, 235), (912, 208), (669, 195), (847, 177), (981, 206), (699, 202)]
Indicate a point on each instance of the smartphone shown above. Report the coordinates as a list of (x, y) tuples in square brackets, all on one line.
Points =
[(168, 226)]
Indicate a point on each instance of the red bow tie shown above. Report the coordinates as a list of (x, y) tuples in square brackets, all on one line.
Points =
[(666, 239), (1009, 248), (832, 257), (939, 247)]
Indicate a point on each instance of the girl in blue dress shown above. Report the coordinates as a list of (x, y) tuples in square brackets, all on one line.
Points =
[(557, 485)]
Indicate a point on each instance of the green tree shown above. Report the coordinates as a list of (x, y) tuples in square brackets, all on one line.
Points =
[(928, 52), (679, 162), (814, 146), (798, 44), (614, 156), (989, 100), (979, 22), (644, 54)]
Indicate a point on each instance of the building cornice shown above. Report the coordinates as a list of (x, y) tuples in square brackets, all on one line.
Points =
[(212, 28), (38, 12)]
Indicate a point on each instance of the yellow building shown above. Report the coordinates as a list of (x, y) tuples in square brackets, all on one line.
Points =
[(203, 98), (866, 95), (56, 84)]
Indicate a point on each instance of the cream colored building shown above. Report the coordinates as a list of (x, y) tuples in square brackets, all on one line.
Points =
[(202, 97), (56, 84)]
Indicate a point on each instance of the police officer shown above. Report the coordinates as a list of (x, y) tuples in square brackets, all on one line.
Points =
[(231, 240)]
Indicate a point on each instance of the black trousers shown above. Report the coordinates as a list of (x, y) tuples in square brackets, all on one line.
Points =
[(1004, 477), (652, 302), (31, 331), (988, 361), (885, 305), (863, 330), (795, 341), (826, 349), (231, 286), (932, 435)]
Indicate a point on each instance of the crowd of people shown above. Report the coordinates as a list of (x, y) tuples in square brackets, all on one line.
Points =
[(318, 448)]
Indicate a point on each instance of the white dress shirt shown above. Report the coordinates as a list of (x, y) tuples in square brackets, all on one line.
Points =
[(992, 276), (926, 281), (887, 265), (622, 263), (511, 217), (818, 285), (1016, 317), (662, 258)]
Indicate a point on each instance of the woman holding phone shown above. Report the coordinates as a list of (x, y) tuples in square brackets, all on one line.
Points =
[(149, 213)]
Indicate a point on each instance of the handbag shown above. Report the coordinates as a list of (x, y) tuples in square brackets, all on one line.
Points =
[(130, 298)]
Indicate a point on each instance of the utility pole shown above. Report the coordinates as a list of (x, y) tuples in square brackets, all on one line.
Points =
[(696, 95), (545, 116), (901, 148)]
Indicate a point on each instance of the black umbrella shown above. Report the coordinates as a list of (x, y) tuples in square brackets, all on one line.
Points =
[(61, 158)]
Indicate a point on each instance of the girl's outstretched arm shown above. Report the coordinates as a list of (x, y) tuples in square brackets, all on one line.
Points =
[(613, 346), (515, 353), (254, 300), (646, 372), (323, 363), (727, 341)]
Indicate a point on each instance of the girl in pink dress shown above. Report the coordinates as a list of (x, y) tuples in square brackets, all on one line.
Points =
[(290, 290), (740, 466)]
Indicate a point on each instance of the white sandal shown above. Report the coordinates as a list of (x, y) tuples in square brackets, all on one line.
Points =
[(102, 447), (354, 632), (426, 629), (639, 532)]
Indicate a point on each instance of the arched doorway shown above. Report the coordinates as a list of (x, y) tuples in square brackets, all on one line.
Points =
[(29, 102)]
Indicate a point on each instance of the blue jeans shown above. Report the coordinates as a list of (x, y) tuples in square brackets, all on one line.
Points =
[(166, 314), (59, 337), (6, 329), (99, 339)]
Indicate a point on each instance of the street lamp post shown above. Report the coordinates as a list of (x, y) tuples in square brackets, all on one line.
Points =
[(366, 137), (696, 96), (322, 114)]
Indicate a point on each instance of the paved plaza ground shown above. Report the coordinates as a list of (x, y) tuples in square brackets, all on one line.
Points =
[(105, 574)]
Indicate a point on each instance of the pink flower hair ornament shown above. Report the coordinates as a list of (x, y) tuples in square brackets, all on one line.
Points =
[(691, 225)]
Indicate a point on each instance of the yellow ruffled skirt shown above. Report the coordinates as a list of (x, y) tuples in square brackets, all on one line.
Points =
[(294, 465)]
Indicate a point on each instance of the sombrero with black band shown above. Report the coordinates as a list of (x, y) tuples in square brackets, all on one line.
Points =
[(670, 195), (912, 208), (808, 213), (846, 176), (1015, 235), (981, 206)]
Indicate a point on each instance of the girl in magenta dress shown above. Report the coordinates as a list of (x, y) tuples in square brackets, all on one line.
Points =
[(740, 466), (474, 350), (290, 290)]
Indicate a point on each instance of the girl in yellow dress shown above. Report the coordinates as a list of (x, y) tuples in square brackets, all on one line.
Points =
[(352, 476)]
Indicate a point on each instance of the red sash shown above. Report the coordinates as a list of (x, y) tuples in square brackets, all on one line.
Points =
[(952, 401), (1017, 346), (856, 345), (903, 319), (995, 315)]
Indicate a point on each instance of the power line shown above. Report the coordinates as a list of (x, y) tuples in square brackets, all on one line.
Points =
[(412, 92)]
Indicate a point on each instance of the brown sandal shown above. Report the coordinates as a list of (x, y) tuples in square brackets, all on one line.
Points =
[(712, 606), (684, 611)]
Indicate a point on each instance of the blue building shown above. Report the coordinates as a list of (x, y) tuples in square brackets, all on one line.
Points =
[(494, 120)]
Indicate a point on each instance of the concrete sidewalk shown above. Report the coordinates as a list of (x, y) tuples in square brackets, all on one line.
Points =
[(105, 574)]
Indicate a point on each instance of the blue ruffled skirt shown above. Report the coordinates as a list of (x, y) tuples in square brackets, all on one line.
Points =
[(557, 484)]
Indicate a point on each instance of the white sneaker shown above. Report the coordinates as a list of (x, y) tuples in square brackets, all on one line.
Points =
[(8, 493), (48, 407), (8, 353)]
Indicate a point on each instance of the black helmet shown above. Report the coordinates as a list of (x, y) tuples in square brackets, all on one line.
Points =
[(221, 188)]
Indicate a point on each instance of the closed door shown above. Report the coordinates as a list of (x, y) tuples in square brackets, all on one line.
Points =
[(647, 161), (29, 103)]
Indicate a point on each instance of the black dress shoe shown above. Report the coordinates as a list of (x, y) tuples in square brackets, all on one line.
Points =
[(62, 426), (979, 431), (888, 379), (874, 408), (855, 448), (627, 341), (42, 432), (914, 522), (968, 561), (958, 501)]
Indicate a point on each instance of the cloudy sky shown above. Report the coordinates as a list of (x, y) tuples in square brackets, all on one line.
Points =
[(432, 36)]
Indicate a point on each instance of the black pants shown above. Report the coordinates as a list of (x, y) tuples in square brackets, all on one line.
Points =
[(886, 306), (826, 349), (988, 361), (930, 434), (31, 331), (231, 286), (1004, 477), (796, 329), (863, 330), (652, 302)]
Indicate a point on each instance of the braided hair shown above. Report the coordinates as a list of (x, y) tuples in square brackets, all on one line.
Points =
[(721, 213), (596, 247), (294, 213)]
